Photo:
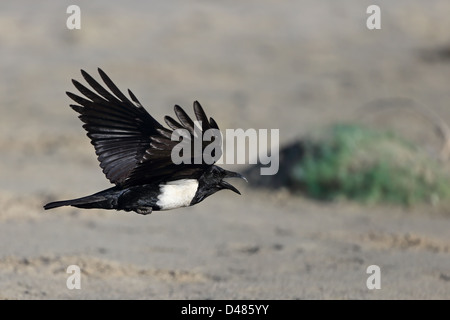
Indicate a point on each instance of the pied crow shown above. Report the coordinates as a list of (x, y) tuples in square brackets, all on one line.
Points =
[(134, 151)]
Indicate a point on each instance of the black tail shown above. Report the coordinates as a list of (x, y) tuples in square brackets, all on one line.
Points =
[(106, 199)]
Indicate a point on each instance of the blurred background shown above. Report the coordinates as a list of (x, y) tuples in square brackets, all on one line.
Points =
[(298, 66)]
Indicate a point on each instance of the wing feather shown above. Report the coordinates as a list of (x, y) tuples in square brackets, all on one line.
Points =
[(131, 146)]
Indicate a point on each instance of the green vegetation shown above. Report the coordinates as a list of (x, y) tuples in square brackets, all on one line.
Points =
[(358, 163)]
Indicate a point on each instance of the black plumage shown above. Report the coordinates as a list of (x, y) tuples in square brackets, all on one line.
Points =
[(134, 151)]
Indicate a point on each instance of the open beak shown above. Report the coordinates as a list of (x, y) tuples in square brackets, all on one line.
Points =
[(231, 174)]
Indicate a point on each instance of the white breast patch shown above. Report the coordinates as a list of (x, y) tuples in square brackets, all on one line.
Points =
[(178, 193)]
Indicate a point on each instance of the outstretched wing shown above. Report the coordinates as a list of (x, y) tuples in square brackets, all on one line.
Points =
[(131, 146)]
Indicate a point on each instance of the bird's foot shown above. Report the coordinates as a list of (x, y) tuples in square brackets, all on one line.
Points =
[(144, 210)]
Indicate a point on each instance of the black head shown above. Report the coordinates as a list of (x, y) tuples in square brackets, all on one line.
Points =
[(212, 181)]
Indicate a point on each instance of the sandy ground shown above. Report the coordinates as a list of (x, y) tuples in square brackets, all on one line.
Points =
[(295, 65)]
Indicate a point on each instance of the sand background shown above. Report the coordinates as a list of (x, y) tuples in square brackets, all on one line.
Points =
[(291, 65)]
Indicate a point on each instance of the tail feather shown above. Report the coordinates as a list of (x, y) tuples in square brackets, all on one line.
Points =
[(106, 199), (57, 204)]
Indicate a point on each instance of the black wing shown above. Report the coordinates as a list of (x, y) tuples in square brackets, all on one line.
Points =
[(132, 147)]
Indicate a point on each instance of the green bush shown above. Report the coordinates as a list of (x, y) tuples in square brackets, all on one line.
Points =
[(358, 163)]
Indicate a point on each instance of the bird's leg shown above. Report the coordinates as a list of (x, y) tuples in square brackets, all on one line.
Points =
[(144, 210)]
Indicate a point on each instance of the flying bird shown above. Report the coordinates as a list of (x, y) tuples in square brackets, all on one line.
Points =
[(134, 151)]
